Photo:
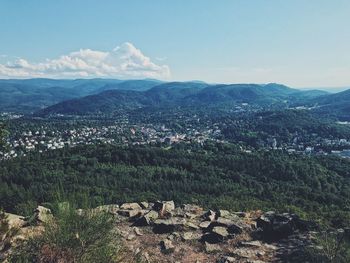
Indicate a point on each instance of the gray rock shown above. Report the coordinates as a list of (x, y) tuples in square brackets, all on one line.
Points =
[(147, 219), (191, 236), (168, 225), (192, 225), (144, 205), (221, 231), (164, 207), (204, 224), (211, 248), (209, 215), (226, 259), (130, 213), (130, 206), (223, 213)]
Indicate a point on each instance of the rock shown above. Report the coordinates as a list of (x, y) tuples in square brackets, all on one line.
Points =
[(277, 226), (15, 221), (144, 205), (240, 214), (167, 245), (204, 224), (137, 231), (211, 248), (43, 214), (223, 213), (192, 226), (130, 206), (193, 209), (209, 215), (147, 219), (217, 235), (130, 213), (233, 227), (164, 207), (168, 225), (226, 259), (221, 231), (191, 236)]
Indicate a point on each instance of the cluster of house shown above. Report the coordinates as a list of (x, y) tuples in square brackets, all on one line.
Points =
[(43, 140)]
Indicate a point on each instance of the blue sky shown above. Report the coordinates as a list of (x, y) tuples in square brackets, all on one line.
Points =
[(295, 42)]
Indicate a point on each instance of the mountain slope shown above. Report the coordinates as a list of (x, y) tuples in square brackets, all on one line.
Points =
[(337, 105), (174, 94)]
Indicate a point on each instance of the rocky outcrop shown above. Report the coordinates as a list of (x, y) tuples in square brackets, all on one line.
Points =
[(162, 232)]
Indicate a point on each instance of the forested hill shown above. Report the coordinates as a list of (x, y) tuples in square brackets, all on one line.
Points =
[(337, 104), (214, 175), (180, 94), (28, 95)]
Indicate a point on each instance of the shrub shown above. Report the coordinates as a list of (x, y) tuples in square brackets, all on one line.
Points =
[(71, 237)]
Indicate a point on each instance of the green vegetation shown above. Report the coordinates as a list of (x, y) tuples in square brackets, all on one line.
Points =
[(328, 247), (213, 175), (72, 237)]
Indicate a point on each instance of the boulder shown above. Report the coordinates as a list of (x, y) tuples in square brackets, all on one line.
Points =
[(233, 227), (130, 213), (130, 206), (223, 213), (43, 214), (276, 226), (204, 225), (217, 235), (164, 207), (209, 215), (168, 225), (147, 219), (221, 231)]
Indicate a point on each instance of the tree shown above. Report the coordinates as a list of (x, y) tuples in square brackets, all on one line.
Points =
[(3, 135)]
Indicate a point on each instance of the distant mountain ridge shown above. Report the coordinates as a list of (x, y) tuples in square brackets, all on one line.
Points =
[(29, 95), (173, 94)]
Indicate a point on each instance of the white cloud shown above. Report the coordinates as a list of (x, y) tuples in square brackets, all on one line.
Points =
[(124, 61)]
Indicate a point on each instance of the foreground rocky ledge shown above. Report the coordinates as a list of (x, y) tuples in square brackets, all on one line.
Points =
[(161, 232)]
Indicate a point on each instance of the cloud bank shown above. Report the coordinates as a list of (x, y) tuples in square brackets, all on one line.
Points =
[(124, 61)]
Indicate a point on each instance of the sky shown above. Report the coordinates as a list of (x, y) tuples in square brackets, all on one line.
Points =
[(294, 42)]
